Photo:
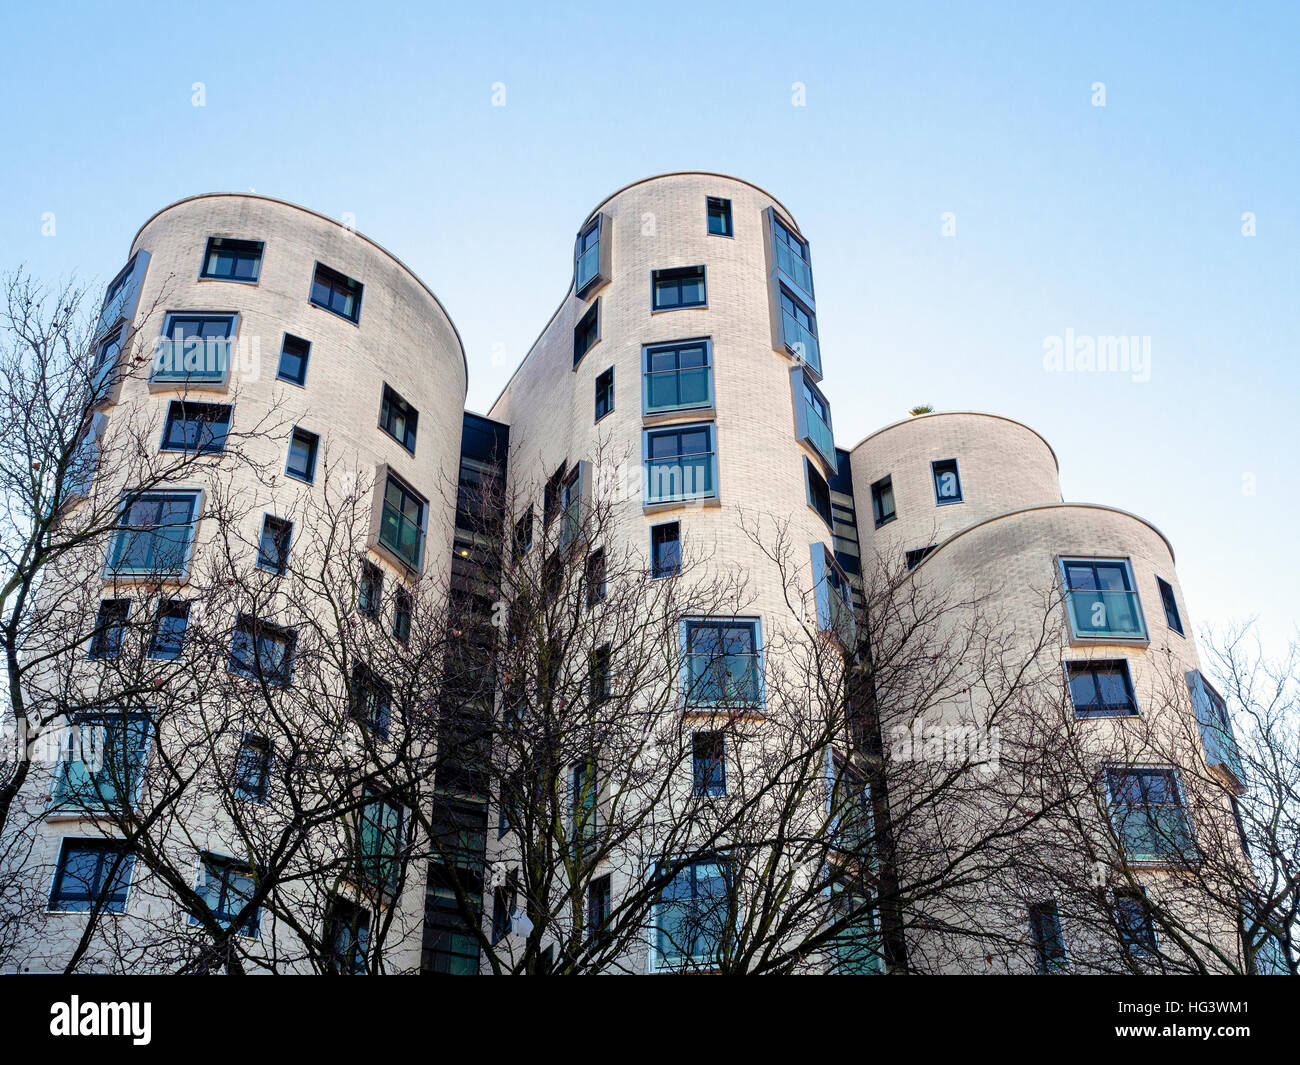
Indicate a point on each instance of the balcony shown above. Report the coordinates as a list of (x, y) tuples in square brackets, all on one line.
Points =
[(802, 344), (194, 361), (1106, 615), (401, 535), (691, 477), (795, 268)]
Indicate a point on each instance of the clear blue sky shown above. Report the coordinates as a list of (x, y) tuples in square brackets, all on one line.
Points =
[(1122, 220)]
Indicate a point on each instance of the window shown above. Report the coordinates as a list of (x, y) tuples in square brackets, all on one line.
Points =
[(123, 293), (402, 606), (708, 763), (594, 578), (1137, 933), (1170, 604), (856, 945), (302, 455), (917, 555), (401, 526), (693, 916), (666, 549), (1215, 724), (154, 534), (586, 332), (833, 594), (719, 212), (226, 887), (600, 906), (253, 768), (199, 427), (262, 651), (90, 873), (571, 496), (106, 353), (604, 393), (503, 904), (1102, 602), (398, 419), (103, 758), (1049, 941), (524, 534), (850, 814), (583, 801), (600, 680), (110, 627), (194, 349), (947, 485), (799, 332), (819, 493), (370, 590), (273, 546), (723, 663), (812, 415), (882, 501), (372, 699), (380, 842), (792, 256), (681, 287), (681, 464), (1101, 689), (232, 260), (336, 292), (1149, 817), (678, 376), (347, 938), (586, 256), (168, 639), (551, 494), (294, 353)]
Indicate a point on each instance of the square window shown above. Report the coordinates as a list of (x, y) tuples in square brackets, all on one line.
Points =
[(719, 212), (336, 292), (694, 916), (401, 523), (709, 763), (226, 259), (398, 419), (110, 627), (154, 534), (1102, 600), (294, 353), (594, 578), (302, 455), (724, 664), (226, 887), (681, 463), (199, 427), (947, 484), (1172, 616), (586, 333), (882, 501), (666, 549), (103, 757), (91, 872), (370, 590), (194, 349), (819, 493), (1101, 689), (253, 768), (168, 639), (604, 393), (262, 651), (1149, 817), (680, 287), (273, 546), (678, 376)]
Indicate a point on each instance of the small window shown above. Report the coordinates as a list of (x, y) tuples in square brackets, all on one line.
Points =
[(1101, 689), (401, 524), (600, 907), (882, 502), (600, 676), (232, 260), (1172, 616), (551, 494), (370, 590), (524, 534), (724, 665), (586, 256), (1149, 816), (681, 464), (90, 873), (586, 333), (719, 217), (947, 485), (674, 289), (253, 768), (294, 353), (347, 937), (337, 293), (819, 493), (678, 376), (273, 547), (604, 393), (709, 763), (110, 627), (916, 556), (169, 627), (262, 651), (1137, 932), (594, 578), (402, 607), (154, 534), (226, 887), (1049, 940), (398, 419), (666, 549), (198, 427), (372, 699), (302, 455)]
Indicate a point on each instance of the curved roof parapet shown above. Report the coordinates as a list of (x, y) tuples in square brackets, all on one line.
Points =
[(947, 413)]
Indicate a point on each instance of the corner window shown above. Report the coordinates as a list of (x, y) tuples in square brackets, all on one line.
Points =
[(693, 917), (719, 212), (194, 349), (604, 393), (252, 775), (799, 331), (103, 761), (586, 256), (812, 415), (586, 333), (110, 628), (678, 376), (792, 255), (680, 287), (262, 651), (337, 293), (1149, 816), (169, 627), (681, 464), (1101, 689), (709, 763), (819, 493), (154, 534), (947, 485), (301, 464), (882, 501), (724, 664), (1170, 603), (398, 419), (196, 427), (226, 259), (273, 545), (226, 887), (294, 353), (91, 873), (666, 549), (1049, 940), (1101, 599)]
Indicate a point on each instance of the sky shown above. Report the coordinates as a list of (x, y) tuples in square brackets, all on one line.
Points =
[(975, 180)]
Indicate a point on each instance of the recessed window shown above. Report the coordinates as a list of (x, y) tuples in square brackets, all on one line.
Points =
[(799, 331), (302, 455), (92, 873), (586, 333), (273, 546), (1101, 599), (226, 887), (819, 493), (103, 761), (792, 255), (1101, 689), (882, 501), (551, 494), (401, 525), (586, 255), (600, 677), (380, 842), (694, 915), (666, 549), (719, 217), (833, 594), (294, 353), (594, 578), (1149, 817), (169, 627), (600, 907), (914, 557), (857, 947), (198, 427), (336, 292), (372, 699), (252, 776), (402, 607), (1215, 725), (724, 666), (680, 287), (194, 349), (154, 534), (398, 419), (347, 937), (604, 393), (106, 353), (110, 627), (232, 260), (678, 376), (262, 651), (1137, 932), (1172, 616), (709, 763), (524, 534), (681, 464), (370, 590), (947, 485), (1049, 940)]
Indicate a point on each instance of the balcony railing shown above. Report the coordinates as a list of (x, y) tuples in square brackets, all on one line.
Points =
[(588, 266), (801, 342), (195, 360), (794, 267), (819, 434), (677, 389), (690, 477), (728, 680), (401, 535), (1106, 614)]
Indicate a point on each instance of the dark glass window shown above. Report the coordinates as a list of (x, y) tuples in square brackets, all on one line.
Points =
[(947, 484), (799, 331), (1149, 816), (232, 260), (402, 606), (723, 663), (586, 255), (110, 627), (398, 419), (336, 292), (347, 937), (693, 917), (792, 256), (262, 651), (882, 501), (381, 842), (302, 455), (600, 678), (680, 464), (154, 534), (1137, 933), (169, 629), (1101, 689), (600, 905), (551, 494), (86, 876), (370, 590), (915, 556), (819, 493), (524, 534), (604, 393), (253, 768), (679, 287), (273, 548), (678, 376), (104, 760), (1049, 940), (586, 333), (226, 887), (594, 578), (719, 217), (401, 525), (372, 699), (709, 763), (666, 549), (293, 359), (1172, 616), (198, 427)]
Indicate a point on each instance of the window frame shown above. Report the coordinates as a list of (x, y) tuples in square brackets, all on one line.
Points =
[(261, 794), (244, 246), (130, 499), (809, 472), (694, 621), (659, 962), (165, 348), (156, 629), (586, 329), (678, 499), (67, 805), (109, 633), (335, 276), (1169, 600), (1064, 562), (1173, 858), (878, 489), (391, 401), (107, 845), (280, 375), (608, 372), (310, 477), (723, 209), (679, 274), (677, 347), (290, 636), (936, 473), (1046, 964), (408, 492), (1089, 666), (178, 406), (708, 790), (252, 928), (287, 530), (655, 573)]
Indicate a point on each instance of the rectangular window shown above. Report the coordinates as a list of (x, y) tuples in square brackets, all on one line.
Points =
[(370, 590), (337, 293), (1102, 601), (524, 534), (1137, 932), (678, 376), (1149, 816), (1172, 616), (799, 332), (90, 873), (1049, 940), (402, 606), (200, 427), (110, 627), (571, 496), (852, 820), (232, 260), (123, 293), (914, 557), (1215, 725), (398, 419), (347, 936), (833, 594), (856, 945), (583, 800), (600, 678), (168, 639), (226, 887), (604, 393), (709, 763), (681, 463), (693, 917), (105, 360), (154, 534), (102, 760), (594, 578), (666, 549), (724, 666), (262, 651), (812, 415), (401, 526), (294, 354), (586, 256), (586, 332), (253, 768), (600, 906), (380, 842), (947, 484), (819, 493), (792, 256), (674, 289), (194, 349), (503, 905), (719, 217), (372, 699), (882, 501), (1101, 689), (302, 455), (273, 546)]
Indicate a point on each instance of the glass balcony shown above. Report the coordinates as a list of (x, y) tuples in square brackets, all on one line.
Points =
[(794, 267), (194, 360), (1115, 615), (724, 680), (819, 434), (401, 535), (588, 266), (678, 389), (690, 477), (801, 342)]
